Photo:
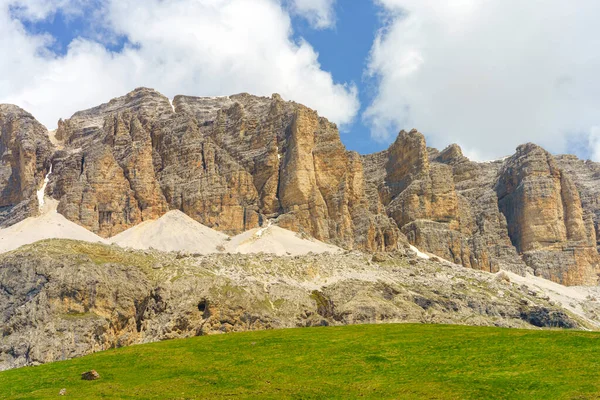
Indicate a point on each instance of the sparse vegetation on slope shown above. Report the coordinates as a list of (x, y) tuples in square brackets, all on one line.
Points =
[(367, 361), (63, 299)]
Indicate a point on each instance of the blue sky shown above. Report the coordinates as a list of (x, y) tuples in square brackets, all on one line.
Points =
[(343, 50), (486, 75)]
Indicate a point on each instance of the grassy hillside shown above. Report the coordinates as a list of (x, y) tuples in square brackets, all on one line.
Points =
[(368, 361)]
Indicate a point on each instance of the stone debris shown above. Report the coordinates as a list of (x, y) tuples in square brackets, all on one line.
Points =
[(174, 231), (49, 225), (65, 299)]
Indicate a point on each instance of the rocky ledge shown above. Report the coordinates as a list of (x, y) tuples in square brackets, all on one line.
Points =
[(61, 299)]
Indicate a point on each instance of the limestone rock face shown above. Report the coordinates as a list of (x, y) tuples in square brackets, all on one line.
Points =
[(546, 220), (231, 163), (586, 177), (444, 203), (25, 151)]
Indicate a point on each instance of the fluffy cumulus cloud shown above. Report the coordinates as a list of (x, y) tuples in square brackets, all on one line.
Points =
[(488, 75), (194, 47), (319, 13)]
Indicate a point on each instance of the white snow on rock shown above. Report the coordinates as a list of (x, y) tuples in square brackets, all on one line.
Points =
[(49, 225), (275, 240), (174, 231), (172, 105), (571, 298), (493, 161), (41, 193), (420, 254)]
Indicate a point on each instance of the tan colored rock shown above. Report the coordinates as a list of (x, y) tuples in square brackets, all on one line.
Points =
[(546, 219), (300, 196), (25, 151), (586, 177), (233, 163), (90, 375), (421, 195), (230, 163)]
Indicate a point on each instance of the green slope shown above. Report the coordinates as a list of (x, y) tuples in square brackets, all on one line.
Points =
[(368, 361)]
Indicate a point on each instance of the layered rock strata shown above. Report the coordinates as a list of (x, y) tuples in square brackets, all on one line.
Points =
[(546, 219), (443, 202), (233, 163)]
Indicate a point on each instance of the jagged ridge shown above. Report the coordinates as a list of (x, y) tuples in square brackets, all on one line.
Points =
[(234, 162)]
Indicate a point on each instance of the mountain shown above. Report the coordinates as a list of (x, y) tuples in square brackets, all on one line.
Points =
[(233, 163)]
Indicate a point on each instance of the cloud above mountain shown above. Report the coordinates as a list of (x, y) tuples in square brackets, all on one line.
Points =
[(197, 47), (488, 75)]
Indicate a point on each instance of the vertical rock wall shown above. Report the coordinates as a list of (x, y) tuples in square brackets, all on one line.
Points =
[(25, 150), (232, 163)]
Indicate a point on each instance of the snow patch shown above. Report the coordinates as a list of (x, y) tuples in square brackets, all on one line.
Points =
[(42, 191), (420, 254), (262, 230), (172, 106), (493, 161), (572, 298)]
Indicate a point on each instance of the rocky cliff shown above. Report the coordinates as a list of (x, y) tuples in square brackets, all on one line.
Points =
[(25, 159), (546, 219), (442, 202), (232, 163)]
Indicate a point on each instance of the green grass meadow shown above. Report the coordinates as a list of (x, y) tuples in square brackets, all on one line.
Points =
[(362, 361)]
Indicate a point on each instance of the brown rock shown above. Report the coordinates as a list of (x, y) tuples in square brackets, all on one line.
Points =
[(546, 219), (442, 202), (90, 375), (233, 162), (230, 163), (25, 150)]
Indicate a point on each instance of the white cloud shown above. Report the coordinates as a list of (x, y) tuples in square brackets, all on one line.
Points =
[(194, 47), (489, 75), (594, 142), (319, 13)]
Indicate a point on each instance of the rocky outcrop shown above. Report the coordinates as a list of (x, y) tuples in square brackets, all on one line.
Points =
[(517, 213), (25, 151), (62, 299), (442, 202), (586, 176), (231, 163), (546, 220)]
